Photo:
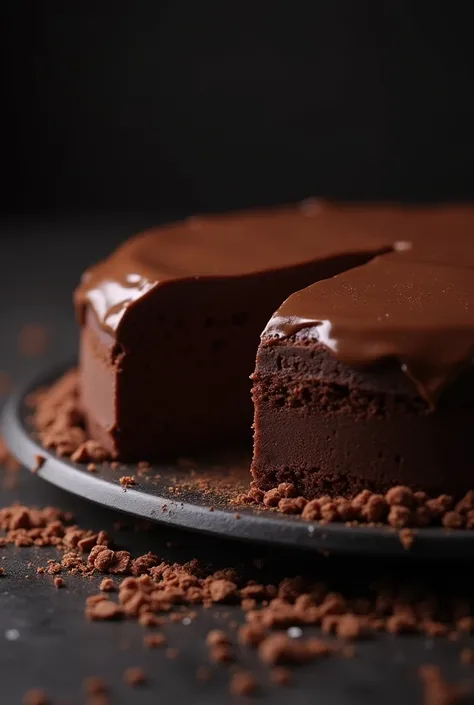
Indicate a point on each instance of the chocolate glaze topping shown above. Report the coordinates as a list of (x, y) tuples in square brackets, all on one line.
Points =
[(227, 246), (251, 242), (421, 314)]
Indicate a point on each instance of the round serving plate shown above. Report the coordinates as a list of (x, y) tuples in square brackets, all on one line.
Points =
[(196, 494)]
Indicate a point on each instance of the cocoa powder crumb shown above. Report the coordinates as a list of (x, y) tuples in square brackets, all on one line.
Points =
[(399, 516), (221, 653), (58, 582), (127, 481), (217, 637), (107, 585), (350, 626), (103, 610), (452, 520), (272, 498), (134, 676), (251, 634), (287, 489), (407, 538), (89, 451), (154, 641), (279, 648), (401, 496), (293, 505), (242, 683), (401, 624), (222, 590), (312, 510), (465, 624)]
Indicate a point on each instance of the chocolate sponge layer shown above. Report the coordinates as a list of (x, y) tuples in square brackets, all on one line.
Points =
[(329, 428)]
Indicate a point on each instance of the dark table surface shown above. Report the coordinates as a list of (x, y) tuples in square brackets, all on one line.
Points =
[(45, 640)]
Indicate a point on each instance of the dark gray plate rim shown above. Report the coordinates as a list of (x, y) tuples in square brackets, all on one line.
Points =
[(154, 502)]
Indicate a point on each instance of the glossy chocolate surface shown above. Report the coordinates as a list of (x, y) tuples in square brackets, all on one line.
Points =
[(421, 315), (256, 241), (233, 245)]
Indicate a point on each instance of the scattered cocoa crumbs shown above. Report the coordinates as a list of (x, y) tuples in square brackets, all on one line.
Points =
[(221, 653), (127, 481), (89, 451), (279, 648), (53, 567), (151, 591), (58, 582), (103, 610), (242, 683), (436, 691), (217, 637), (351, 626), (60, 424), (407, 538), (154, 641), (251, 634), (400, 508), (134, 676), (107, 585), (36, 696)]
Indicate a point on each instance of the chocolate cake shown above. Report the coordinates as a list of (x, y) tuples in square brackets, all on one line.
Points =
[(366, 380), (170, 322)]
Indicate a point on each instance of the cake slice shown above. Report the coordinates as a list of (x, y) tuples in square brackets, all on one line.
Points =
[(170, 322), (366, 380)]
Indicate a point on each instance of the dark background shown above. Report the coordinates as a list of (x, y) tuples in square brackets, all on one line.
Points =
[(161, 107)]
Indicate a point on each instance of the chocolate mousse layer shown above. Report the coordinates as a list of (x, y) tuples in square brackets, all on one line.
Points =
[(366, 380), (170, 322)]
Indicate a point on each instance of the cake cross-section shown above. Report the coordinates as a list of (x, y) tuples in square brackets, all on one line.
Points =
[(366, 380)]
